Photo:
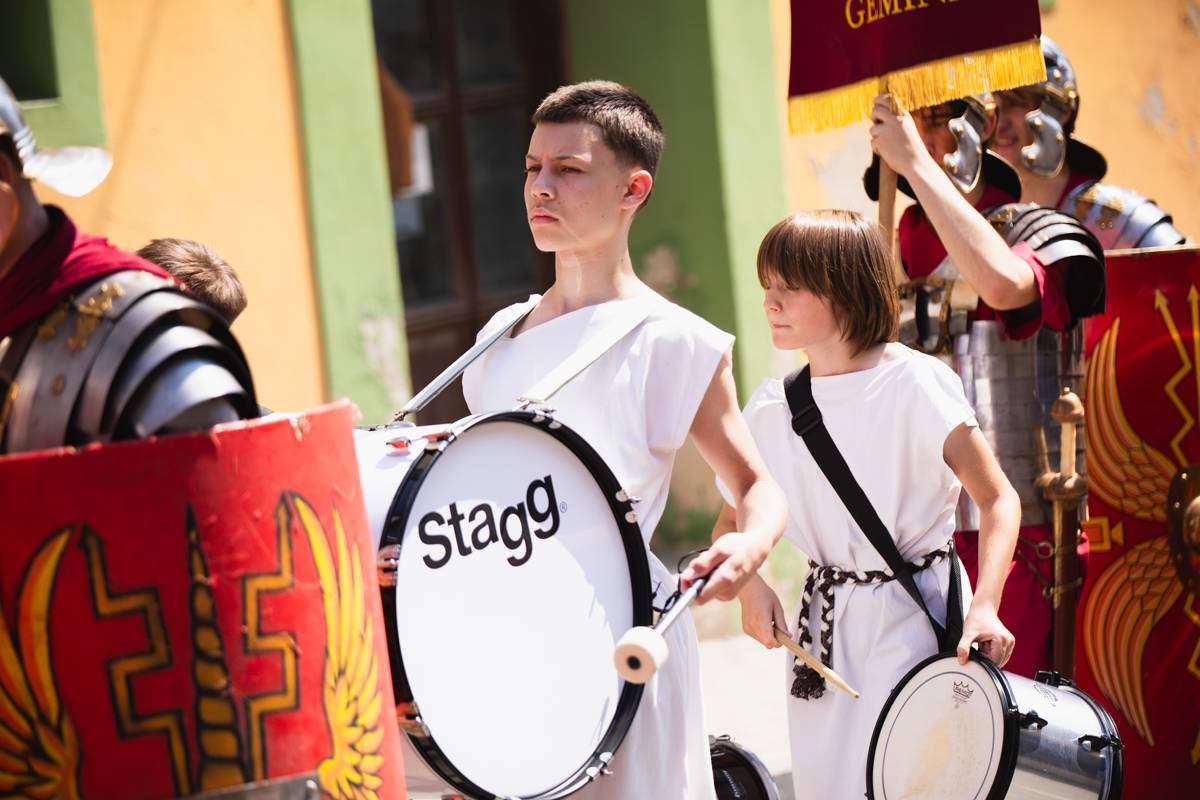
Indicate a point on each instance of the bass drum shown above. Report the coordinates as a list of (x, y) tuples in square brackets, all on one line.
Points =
[(971, 732), (516, 564)]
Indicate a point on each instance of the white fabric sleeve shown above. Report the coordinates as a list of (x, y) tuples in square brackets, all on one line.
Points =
[(687, 350), (942, 404)]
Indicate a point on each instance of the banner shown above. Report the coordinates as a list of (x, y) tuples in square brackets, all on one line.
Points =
[(924, 52)]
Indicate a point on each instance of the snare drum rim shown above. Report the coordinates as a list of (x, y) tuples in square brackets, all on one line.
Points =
[(639, 574), (1009, 750)]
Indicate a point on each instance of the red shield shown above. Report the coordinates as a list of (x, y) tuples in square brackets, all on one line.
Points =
[(192, 613), (1139, 617)]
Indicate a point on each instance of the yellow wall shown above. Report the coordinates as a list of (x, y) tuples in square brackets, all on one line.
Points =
[(1137, 66), (200, 109)]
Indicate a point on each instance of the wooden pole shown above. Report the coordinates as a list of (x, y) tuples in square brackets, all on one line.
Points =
[(1067, 490), (887, 211)]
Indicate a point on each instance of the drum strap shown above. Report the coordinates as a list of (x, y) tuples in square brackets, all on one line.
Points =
[(600, 342), (810, 426), (447, 376)]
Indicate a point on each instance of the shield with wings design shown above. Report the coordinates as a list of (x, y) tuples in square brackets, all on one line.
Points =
[(1139, 621)]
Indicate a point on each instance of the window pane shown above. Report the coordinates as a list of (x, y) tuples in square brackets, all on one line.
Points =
[(27, 50), (496, 144), (484, 42), (422, 244), (405, 43)]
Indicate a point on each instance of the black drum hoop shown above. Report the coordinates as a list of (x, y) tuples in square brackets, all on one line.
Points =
[(639, 574), (1010, 748)]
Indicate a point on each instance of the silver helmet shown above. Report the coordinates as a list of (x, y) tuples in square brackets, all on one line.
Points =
[(73, 171), (970, 130), (1053, 121), (970, 161)]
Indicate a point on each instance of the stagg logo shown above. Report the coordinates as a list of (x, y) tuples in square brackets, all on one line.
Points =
[(514, 527)]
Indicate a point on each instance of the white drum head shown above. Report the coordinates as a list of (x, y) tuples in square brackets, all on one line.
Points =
[(941, 736), (513, 588)]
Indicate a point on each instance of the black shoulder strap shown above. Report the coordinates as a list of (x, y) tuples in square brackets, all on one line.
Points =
[(810, 426)]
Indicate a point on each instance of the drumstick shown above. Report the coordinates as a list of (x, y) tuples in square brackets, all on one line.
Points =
[(808, 658)]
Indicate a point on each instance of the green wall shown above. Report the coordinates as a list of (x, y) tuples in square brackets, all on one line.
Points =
[(349, 204), (706, 68), (54, 43)]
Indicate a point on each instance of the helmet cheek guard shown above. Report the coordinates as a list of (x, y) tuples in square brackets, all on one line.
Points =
[(965, 164), (1048, 152)]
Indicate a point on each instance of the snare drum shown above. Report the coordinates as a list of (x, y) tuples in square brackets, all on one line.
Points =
[(738, 774), (953, 732), (518, 564)]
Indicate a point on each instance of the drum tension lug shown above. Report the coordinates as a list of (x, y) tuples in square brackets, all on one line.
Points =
[(596, 770), (1030, 719), (1095, 744), (386, 564), (1051, 678), (408, 716)]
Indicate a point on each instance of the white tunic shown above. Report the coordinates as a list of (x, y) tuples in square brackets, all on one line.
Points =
[(890, 423), (635, 406)]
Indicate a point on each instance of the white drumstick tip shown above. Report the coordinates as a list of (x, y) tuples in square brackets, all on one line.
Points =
[(640, 654)]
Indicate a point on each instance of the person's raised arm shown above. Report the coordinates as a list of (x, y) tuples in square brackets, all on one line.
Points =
[(1003, 280), (721, 435)]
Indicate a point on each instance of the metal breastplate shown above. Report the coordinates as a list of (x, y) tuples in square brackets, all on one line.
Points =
[(1012, 385), (127, 356), (1121, 218)]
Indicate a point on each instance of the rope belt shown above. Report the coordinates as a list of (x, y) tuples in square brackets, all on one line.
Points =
[(822, 579)]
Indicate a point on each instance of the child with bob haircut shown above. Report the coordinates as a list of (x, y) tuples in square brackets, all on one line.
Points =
[(908, 435)]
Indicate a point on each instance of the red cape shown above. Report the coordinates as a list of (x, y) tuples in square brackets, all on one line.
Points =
[(54, 266)]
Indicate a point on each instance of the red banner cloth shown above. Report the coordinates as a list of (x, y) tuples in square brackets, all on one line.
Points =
[(840, 42)]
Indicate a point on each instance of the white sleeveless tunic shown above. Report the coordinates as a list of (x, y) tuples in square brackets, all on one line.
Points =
[(635, 405), (890, 424)]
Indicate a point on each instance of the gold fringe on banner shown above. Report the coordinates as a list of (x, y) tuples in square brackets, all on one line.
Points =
[(928, 84)]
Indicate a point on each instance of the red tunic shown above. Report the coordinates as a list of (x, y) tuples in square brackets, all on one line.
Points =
[(1024, 608), (57, 263)]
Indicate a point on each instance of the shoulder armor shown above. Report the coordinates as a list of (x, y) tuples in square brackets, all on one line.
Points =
[(1057, 238), (1121, 218), (90, 356)]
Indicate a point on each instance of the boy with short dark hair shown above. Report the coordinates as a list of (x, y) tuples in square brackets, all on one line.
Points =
[(589, 168)]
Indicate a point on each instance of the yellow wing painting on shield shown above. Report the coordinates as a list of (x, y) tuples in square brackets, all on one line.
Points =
[(1137, 590)]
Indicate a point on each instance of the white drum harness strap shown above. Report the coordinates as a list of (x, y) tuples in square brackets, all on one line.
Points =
[(810, 426), (577, 362)]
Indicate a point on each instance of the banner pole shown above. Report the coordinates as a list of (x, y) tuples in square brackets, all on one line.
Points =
[(887, 208)]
